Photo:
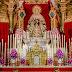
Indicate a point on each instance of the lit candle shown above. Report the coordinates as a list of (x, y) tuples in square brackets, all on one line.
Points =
[(2, 48)]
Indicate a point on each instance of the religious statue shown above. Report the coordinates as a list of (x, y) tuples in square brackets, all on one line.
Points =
[(36, 24)]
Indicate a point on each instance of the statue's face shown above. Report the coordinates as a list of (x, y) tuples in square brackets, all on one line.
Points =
[(11, 1)]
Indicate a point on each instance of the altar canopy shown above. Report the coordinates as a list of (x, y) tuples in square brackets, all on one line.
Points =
[(45, 11)]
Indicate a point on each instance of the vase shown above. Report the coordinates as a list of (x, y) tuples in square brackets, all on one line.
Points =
[(59, 62), (13, 62)]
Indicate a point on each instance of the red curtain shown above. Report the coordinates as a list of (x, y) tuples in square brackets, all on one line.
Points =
[(68, 30), (44, 13), (4, 32)]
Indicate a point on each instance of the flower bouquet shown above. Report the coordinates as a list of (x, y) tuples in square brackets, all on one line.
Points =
[(2, 61), (69, 61), (13, 55), (19, 31), (22, 61), (59, 55), (50, 61)]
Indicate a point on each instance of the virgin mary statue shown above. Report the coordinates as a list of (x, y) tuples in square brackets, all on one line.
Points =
[(36, 24)]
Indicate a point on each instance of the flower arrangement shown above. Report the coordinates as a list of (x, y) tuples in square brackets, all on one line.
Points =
[(55, 32), (59, 54), (22, 61), (19, 31), (13, 54), (69, 61), (2, 61), (50, 61)]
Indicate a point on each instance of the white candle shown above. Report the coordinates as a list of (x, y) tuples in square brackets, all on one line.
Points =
[(52, 50), (66, 49), (2, 48), (64, 43), (69, 46), (57, 41), (27, 35), (8, 50), (13, 40), (10, 41), (55, 45), (5, 54)]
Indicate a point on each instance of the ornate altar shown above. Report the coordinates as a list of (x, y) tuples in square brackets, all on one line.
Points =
[(36, 56)]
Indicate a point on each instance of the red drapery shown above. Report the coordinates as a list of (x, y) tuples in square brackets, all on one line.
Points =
[(68, 30), (4, 32), (44, 13)]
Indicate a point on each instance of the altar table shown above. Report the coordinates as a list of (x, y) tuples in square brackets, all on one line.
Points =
[(38, 69)]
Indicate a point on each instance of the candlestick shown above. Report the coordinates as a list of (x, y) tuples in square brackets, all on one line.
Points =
[(55, 45), (10, 42), (52, 53), (64, 43), (13, 40), (57, 41), (8, 50), (2, 48), (69, 47), (60, 41), (19, 23), (5, 54)]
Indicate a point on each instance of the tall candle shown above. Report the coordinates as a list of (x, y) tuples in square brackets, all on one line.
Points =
[(13, 40), (64, 43), (10, 42), (69, 47), (5, 54), (60, 41), (57, 41), (66, 49), (8, 50), (55, 45), (2, 48)]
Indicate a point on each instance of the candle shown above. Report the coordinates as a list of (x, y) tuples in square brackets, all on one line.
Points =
[(2, 48), (27, 35), (60, 41), (8, 50), (57, 41), (64, 43), (13, 40), (69, 47), (19, 23), (66, 49), (52, 53), (10, 42), (5, 54), (55, 45)]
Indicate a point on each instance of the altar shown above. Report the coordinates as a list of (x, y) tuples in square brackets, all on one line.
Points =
[(32, 40)]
